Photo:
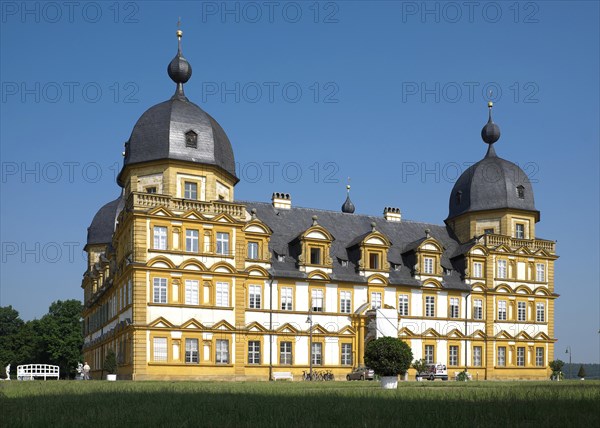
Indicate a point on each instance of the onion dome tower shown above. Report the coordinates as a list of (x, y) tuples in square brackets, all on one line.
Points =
[(348, 206), (489, 191)]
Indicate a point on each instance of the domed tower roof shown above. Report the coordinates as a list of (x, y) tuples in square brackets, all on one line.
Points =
[(179, 129), (103, 225), (492, 183), (348, 207)]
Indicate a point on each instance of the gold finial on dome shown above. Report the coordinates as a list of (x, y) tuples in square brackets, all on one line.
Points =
[(490, 104), (179, 32)]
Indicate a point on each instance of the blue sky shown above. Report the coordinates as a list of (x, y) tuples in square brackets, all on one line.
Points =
[(391, 94)]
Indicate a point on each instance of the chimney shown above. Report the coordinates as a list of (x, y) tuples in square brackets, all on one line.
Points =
[(392, 214), (282, 200)]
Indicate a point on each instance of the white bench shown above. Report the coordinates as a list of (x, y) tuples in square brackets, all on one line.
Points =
[(31, 371), (283, 375)]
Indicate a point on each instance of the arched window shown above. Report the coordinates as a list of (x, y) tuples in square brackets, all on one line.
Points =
[(191, 140), (520, 192), (458, 197)]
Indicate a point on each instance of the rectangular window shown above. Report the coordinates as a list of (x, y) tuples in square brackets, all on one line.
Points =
[(521, 311), (285, 353), (160, 290), (191, 351), (539, 357), (191, 292), (315, 256), (520, 231), (254, 296), (501, 268), (428, 265), (429, 354), (286, 299), (190, 190), (502, 356), (477, 356), (191, 240), (223, 243), (478, 269), (540, 272), (373, 261), (521, 356), (254, 352), (317, 300), (253, 250), (375, 300), (453, 307), (160, 349), (453, 358), (160, 238), (403, 305), (222, 294), (316, 354), (478, 309), (346, 354), (151, 189), (222, 351), (429, 306), (502, 310), (540, 312), (345, 302), (488, 231)]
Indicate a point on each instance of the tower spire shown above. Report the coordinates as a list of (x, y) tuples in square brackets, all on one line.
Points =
[(348, 206), (490, 133), (179, 68)]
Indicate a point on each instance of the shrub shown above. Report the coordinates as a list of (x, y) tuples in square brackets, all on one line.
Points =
[(110, 362), (388, 356), (556, 366), (581, 372), (419, 365)]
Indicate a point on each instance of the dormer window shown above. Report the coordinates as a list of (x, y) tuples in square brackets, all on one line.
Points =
[(344, 263), (374, 261), (428, 265), (315, 256), (280, 258), (458, 197), (520, 192), (191, 140)]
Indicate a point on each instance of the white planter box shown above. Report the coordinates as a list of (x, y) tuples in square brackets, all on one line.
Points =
[(111, 377), (389, 382)]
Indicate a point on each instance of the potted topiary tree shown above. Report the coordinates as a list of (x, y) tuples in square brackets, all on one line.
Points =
[(581, 373), (388, 357), (556, 366), (420, 366), (110, 365)]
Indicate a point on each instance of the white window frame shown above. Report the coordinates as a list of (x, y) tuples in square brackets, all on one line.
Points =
[(222, 294), (222, 351), (376, 300), (519, 230), (159, 290), (428, 265), (286, 297), (477, 269), (192, 353), (430, 356), (317, 300), (160, 238), (403, 305), (502, 269), (254, 352), (521, 356), (521, 311), (190, 190), (478, 309), (540, 312), (501, 356), (192, 292), (254, 296), (345, 302), (540, 272), (316, 354), (477, 356), (430, 306), (539, 356), (191, 240), (285, 353), (346, 354), (160, 349), (502, 310), (223, 243), (453, 355), (252, 252), (454, 307)]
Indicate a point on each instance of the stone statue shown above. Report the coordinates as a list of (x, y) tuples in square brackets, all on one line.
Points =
[(8, 372)]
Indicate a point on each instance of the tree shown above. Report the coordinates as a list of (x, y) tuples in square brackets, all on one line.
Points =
[(581, 372), (420, 366), (10, 326), (556, 366), (388, 356), (61, 331), (110, 362)]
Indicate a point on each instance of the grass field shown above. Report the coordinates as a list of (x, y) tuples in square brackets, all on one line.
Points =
[(287, 404)]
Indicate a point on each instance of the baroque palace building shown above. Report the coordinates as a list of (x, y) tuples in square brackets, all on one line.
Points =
[(185, 282)]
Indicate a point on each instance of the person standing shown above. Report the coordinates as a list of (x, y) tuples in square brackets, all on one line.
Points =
[(86, 371)]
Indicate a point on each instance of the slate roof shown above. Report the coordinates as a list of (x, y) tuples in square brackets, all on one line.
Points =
[(289, 224), (491, 184), (103, 224)]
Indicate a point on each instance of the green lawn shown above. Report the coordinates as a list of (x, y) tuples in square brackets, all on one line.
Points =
[(287, 404)]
